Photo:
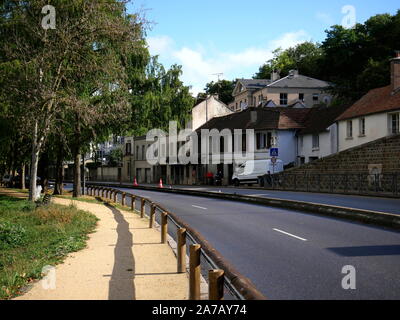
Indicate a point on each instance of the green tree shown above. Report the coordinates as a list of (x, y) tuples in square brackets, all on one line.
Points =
[(304, 57), (222, 88), (53, 68), (159, 97)]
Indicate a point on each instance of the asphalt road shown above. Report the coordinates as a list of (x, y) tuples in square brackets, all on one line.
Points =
[(294, 255), (389, 205)]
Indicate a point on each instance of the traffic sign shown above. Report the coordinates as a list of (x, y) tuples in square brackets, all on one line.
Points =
[(274, 152)]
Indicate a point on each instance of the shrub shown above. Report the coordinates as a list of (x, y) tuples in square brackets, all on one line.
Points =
[(12, 235)]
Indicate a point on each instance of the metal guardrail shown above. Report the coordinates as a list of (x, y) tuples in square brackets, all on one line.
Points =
[(223, 277), (384, 184)]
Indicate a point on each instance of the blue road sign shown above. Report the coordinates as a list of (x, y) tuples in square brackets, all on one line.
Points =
[(274, 152)]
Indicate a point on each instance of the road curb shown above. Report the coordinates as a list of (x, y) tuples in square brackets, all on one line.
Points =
[(369, 217)]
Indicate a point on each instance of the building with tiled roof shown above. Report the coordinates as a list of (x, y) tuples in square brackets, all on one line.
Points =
[(292, 91), (374, 116), (318, 138)]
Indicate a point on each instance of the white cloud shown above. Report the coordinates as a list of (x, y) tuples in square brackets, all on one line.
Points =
[(159, 44), (200, 65)]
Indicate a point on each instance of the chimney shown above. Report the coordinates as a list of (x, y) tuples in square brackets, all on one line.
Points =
[(275, 76), (293, 73), (395, 72)]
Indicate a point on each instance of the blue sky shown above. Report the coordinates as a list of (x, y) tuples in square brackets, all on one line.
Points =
[(236, 37)]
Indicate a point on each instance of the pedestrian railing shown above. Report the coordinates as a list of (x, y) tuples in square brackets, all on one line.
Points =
[(386, 184), (224, 281)]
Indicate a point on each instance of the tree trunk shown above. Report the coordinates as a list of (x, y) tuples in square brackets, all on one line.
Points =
[(23, 187), (44, 171), (34, 163), (77, 174), (77, 159), (58, 187)]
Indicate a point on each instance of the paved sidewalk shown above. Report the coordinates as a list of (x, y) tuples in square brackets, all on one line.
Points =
[(124, 260)]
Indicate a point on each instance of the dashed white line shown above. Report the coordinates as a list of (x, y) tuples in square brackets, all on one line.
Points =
[(199, 207), (290, 235)]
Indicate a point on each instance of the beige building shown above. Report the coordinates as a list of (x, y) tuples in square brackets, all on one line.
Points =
[(374, 116), (294, 90), (134, 161), (206, 110)]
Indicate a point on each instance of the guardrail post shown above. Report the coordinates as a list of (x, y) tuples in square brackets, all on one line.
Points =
[(123, 199), (216, 285), (152, 213), (164, 227), (115, 196), (133, 204), (181, 250), (102, 192), (194, 272), (142, 208)]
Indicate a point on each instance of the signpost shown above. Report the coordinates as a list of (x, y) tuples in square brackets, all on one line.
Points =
[(274, 153)]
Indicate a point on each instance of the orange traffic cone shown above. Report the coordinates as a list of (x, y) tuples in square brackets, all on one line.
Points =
[(160, 184), (135, 184)]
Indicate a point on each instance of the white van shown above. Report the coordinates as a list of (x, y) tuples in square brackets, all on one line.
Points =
[(248, 172)]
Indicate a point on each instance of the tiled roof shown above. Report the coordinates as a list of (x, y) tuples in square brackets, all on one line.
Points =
[(298, 81), (322, 117), (260, 119), (375, 101)]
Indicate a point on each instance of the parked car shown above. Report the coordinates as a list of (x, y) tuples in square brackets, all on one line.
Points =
[(248, 172), (16, 182)]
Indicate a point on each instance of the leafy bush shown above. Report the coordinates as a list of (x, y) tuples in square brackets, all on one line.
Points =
[(12, 235)]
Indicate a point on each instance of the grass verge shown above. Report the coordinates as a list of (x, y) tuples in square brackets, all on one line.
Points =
[(31, 238)]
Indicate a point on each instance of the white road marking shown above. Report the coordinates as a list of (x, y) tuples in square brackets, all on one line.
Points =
[(199, 207), (289, 234)]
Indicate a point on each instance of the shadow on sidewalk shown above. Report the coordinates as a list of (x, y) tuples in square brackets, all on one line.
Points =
[(121, 282)]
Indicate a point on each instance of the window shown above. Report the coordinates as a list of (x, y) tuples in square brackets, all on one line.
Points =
[(315, 141), (301, 142), (143, 153), (128, 148), (301, 97), (362, 127), (349, 129), (394, 123), (261, 141), (137, 152), (315, 97), (264, 140), (283, 99)]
